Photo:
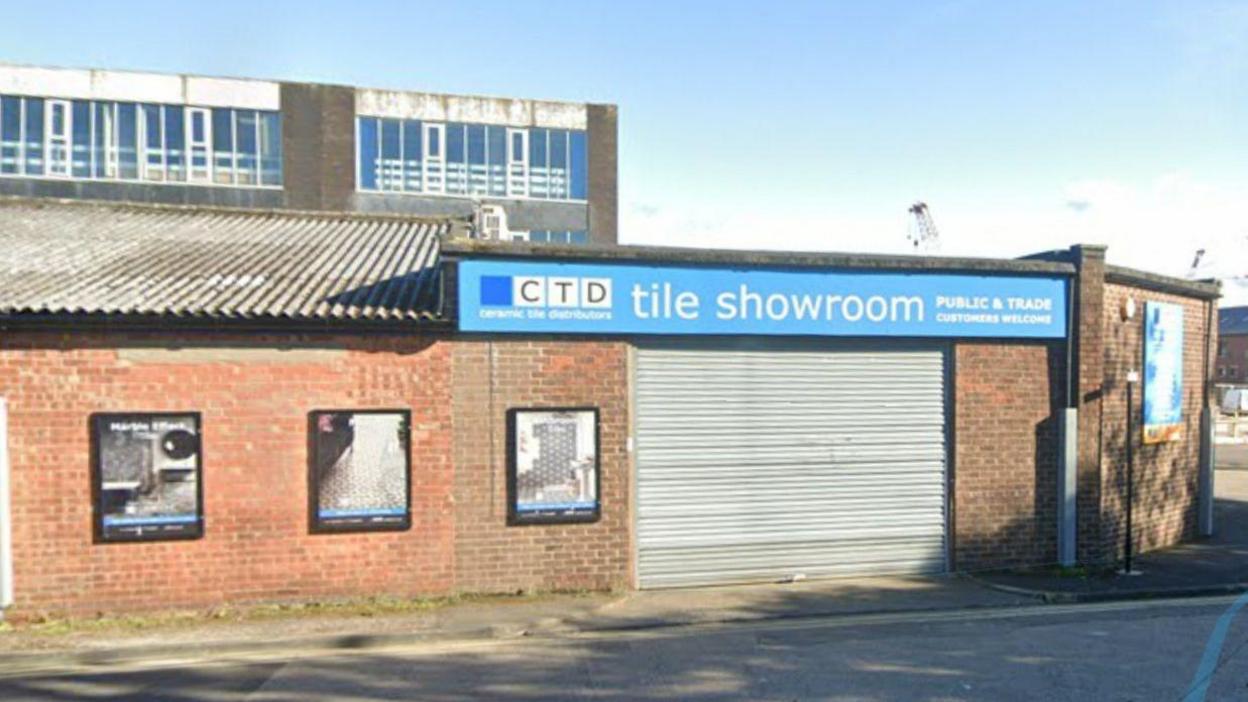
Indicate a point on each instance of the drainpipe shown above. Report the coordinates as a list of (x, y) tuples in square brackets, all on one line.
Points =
[(1205, 492), (6, 515)]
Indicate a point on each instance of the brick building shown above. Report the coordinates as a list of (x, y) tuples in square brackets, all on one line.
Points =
[(700, 416), (1232, 363)]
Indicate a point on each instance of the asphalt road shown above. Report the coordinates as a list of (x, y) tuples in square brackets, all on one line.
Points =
[(1122, 651)]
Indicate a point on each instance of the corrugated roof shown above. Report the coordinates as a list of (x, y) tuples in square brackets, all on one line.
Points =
[(60, 257), (1233, 320)]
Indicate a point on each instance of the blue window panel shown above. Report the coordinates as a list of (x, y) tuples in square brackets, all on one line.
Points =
[(103, 139), (413, 159), (153, 143), (34, 136), (496, 154), (270, 148), (10, 134), (579, 237), (539, 235), (245, 142), (477, 168), (537, 147), (127, 140), (369, 130), (476, 144), (558, 164), (539, 174), (223, 146), (456, 143), (175, 143), (456, 159), (80, 154), (391, 169), (578, 165)]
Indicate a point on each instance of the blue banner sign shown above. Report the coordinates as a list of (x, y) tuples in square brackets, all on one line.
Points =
[(1163, 372), (572, 298)]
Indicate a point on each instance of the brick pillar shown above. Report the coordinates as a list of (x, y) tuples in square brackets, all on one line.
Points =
[(1088, 291)]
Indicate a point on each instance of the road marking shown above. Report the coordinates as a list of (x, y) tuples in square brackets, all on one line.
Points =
[(555, 637), (1213, 651)]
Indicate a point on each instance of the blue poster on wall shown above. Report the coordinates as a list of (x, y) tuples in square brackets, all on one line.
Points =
[(1163, 372), (575, 298)]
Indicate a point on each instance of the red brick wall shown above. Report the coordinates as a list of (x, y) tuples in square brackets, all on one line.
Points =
[(255, 404), (1005, 469), (1232, 360), (1166, 475), (491, 376)]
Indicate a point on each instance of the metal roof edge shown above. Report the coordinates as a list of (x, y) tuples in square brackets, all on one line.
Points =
[(1204, 289), (804, 259)]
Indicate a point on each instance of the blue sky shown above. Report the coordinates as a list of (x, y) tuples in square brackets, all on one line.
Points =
[(790, 124)]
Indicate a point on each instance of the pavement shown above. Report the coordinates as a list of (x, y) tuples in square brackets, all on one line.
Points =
[(1214, 565)]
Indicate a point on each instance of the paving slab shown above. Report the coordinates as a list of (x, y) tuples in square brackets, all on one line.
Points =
[(802, 599)]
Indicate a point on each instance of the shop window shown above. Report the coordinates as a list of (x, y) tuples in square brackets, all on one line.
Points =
[(360, 470)]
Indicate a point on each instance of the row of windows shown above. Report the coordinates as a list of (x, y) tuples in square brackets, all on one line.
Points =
[(1228, 371), (105, 140), (579, 236), (454, 158)]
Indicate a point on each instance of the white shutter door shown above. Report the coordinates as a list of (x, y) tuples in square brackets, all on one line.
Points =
[(765, 460)]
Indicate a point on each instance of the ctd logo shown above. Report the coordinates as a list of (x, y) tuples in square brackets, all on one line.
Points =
[(545, 291)]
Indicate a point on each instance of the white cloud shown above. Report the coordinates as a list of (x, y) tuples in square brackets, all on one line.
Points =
[(1157, 226)]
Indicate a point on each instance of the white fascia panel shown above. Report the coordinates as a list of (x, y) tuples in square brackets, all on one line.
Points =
[(231, 92), (477, 110), (132, 86)]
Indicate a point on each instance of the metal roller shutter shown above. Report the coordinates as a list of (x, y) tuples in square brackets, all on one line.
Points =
[(766, 460)]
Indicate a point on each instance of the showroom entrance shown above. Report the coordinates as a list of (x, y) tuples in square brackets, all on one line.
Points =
[(766, 459)]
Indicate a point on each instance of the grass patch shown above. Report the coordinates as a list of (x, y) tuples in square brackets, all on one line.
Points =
[(52, 626)]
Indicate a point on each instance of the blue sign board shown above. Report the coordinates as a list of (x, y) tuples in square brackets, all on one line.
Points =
[(574, 298), (1163, 372)]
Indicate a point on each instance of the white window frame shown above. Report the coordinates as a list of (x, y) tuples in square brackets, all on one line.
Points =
[(433, 178), (53, 141), (518, 171), (202, 174)]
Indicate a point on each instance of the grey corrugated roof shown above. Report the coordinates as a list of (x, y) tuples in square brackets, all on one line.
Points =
[(1233, 320), (59, 257)]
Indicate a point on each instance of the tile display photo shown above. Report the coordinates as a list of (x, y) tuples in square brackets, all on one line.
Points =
[(148, 481), (360, 466), (553, 462)]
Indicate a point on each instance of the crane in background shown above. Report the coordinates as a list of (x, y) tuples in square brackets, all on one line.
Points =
[(1234, 280), (922, 236)]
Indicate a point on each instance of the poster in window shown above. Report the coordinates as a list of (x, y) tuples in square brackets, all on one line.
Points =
[(1163, 372), (553, 474), (359, 472), (148, 476)]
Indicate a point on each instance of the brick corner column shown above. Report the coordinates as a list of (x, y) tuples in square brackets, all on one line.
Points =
[(1088, 290)]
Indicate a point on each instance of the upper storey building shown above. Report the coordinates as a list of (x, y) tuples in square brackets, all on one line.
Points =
[(545, 170)]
